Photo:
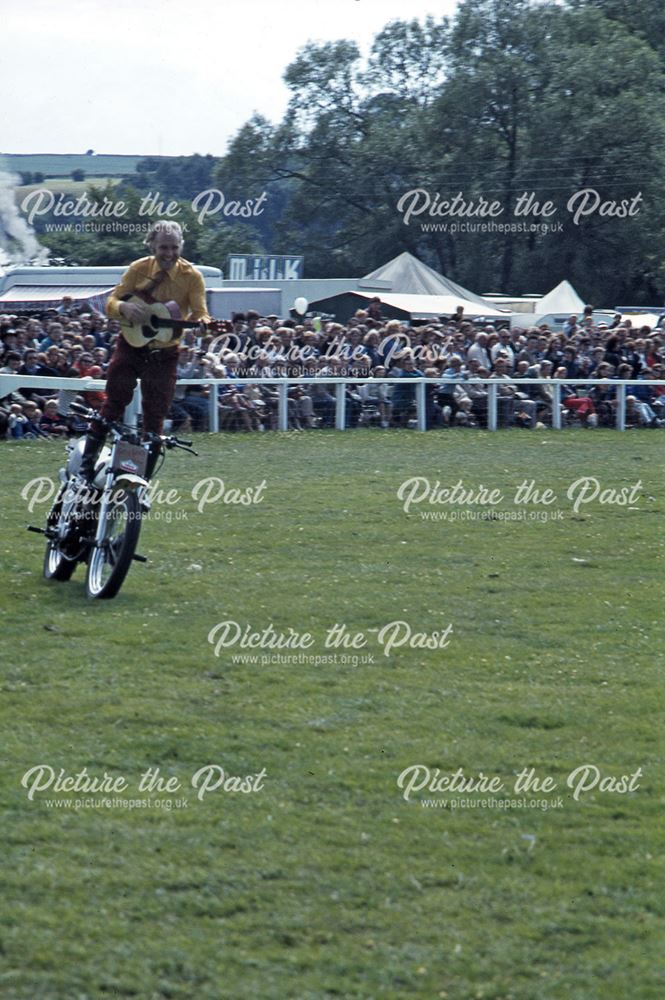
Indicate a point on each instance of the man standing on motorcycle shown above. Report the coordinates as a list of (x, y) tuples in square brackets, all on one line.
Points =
[(163, 276)]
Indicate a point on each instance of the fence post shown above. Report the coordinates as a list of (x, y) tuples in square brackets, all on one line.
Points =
[(340, 408), (421, 409), (556, 406), (213, 411), (621, 407), (492, 390), (283, 406)]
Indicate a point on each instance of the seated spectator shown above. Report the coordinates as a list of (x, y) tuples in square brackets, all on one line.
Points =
[(192, 399), (404, 395), (653, 353), (580, 406), (51, 422), (236, 410), (12, 363), (503, 348), (604, 396), (33, 415), (570, 362), (449, 397), (353, 406), (48, 362), (256, 402), (377, 395), (30, 366), (513, 406), (612, 354), (94, 398), (555, 350), (477, 393), (100, 357), (656, 392), (323, 399), (638, 414), (53, 336), (17, 422), (11, 367)]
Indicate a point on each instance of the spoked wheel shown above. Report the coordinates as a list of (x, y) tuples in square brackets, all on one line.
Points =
[(56, 565), (109, 563)]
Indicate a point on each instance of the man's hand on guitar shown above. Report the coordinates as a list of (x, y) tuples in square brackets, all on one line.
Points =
[(134, 313)]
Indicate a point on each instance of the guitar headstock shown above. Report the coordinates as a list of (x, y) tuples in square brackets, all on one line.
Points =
[(218, 326)]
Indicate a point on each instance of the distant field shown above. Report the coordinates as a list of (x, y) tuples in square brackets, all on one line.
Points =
[(63, 186), (61, 165), (327, 884)]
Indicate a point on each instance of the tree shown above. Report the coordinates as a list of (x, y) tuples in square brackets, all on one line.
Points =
[(181, 177), (408, 60), (331, 161), (513, 102), (217, 243)]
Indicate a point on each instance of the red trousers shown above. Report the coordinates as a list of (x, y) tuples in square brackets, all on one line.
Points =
[(581, 405), (157, 371)]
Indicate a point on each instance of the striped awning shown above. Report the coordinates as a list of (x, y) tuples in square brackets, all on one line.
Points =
[(25, 298)]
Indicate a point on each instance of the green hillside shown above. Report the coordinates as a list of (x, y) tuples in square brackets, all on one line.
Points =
[(62, 164)]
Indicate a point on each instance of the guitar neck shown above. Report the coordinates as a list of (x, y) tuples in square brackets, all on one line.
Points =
[(174, 324), (184, 324)]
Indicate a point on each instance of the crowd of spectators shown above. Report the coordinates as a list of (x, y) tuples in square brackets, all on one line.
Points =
[(449, 353)]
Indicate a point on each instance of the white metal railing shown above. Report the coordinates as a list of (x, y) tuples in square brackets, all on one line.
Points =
[(11, 383)]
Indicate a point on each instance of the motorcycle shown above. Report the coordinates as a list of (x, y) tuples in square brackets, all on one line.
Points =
[(98, 523)]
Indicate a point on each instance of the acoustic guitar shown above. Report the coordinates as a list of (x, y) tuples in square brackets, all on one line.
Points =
[(163, 325)]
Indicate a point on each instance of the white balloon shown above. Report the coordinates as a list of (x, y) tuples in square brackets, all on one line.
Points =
[(300, 305)]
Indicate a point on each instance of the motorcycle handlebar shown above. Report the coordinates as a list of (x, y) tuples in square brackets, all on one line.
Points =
[(169, 442), (84, 411), (174, 442)]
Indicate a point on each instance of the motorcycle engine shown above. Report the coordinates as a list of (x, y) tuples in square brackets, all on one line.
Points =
[(75, 457)]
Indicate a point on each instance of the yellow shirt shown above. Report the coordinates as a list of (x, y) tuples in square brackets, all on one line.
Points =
[(184, 285)]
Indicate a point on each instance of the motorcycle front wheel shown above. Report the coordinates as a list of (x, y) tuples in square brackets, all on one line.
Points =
[(108, 563)]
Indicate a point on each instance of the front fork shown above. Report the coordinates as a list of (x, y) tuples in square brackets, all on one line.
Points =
[(115, 481), (104, 505)]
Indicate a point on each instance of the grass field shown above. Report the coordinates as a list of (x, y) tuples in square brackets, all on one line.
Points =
[(325, 882)]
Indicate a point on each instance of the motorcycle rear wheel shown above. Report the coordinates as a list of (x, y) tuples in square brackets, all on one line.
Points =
[(56, 565), (109, 563)]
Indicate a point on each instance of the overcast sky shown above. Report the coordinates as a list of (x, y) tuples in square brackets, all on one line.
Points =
[(162, 76)]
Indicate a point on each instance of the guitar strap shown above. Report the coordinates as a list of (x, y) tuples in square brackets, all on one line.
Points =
[(145, 293)]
